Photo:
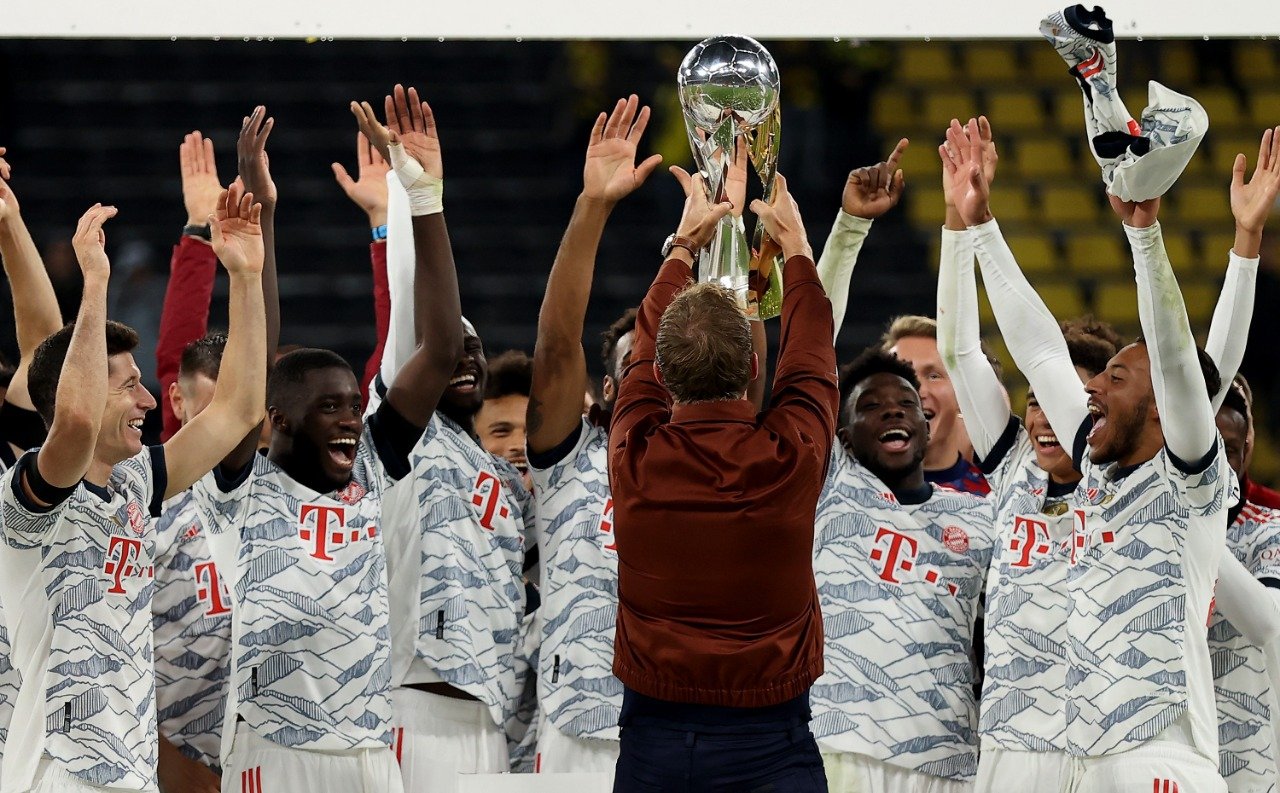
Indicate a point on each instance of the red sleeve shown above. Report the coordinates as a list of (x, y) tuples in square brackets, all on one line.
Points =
[(640, 396), (184, 317), (381, 313), (806, 391)]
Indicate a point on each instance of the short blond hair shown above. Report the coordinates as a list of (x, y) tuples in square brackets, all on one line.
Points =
[(908, 326), (704, 345)]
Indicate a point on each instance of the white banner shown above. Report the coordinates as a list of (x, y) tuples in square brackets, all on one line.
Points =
[(688, 20)]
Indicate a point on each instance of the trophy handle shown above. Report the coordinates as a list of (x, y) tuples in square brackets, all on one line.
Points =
[(766, 260)]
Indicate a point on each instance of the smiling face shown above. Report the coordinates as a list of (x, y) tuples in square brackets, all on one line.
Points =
[(120, 435), (1051, 455), (1125, 423), (501, 427), (937, 398), (323, 419), (885, 426), (465, 393)]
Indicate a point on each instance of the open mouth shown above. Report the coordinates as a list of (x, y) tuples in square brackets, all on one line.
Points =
[(895, 440), (464, 383), (1047, 442), (1099, 420), (136, 426), (343, 452)]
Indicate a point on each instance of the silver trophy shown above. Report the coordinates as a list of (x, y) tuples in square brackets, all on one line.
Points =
[(729, 90)]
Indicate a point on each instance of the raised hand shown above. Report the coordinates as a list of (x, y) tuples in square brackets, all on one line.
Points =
[(90, 242), (960, 133), (413, 125), (8, 201), (200, 185), (369, 190), (700, 217), (871, 191), (781, 219), (610, 173), (251, 155), (964, 174), (237, 231), (1252, 201)]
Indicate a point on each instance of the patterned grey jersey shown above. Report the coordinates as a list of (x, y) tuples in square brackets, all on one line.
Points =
[(9, 677), (310, 660), (576, 687), (1246, 699), (191, 617), (899, 587), (77, 586)]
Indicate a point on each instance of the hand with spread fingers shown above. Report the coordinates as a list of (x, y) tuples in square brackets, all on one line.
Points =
[(965, 167), (90, 242), (237, 231), (957, 137), (200, 185), (251, 154), (782, 222), (610, 172), (875, 189), (1253, 201), (369, 189)]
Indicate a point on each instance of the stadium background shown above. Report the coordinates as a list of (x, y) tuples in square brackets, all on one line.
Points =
[(94, 120)]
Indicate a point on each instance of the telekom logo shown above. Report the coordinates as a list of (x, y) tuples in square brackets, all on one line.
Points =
[(1030, 538), (606, 524), (122, 562), (324, 527), (487, 495), (209, 590), (898, 555)]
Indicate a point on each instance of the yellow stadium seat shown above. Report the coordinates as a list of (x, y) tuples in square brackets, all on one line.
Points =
[(1046, 67), (1015, 111), (1265, 109), (1011, 203), (985, 315), (1177, 66), (1068, 205), (1224, 149), (920, 163), (1203, 205), (893, 110), (1182, 253), (1255, 62), (924, 63), (1097, 253), (934, 246), (1063, 300), (940, 106), (989, 62), (1222, 105), (1200, 298), (925, 208), (1034, 251), (1215, 250), (1116, 302), (1068, 110), (1040, 158)]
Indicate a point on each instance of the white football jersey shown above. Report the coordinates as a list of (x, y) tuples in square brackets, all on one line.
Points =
[(899, 587), (191, 617), (78, 584), (1027, 604), (576, 687), (9, 677), (1246, 700), (455, 545), (1144, 561), (310, 653)]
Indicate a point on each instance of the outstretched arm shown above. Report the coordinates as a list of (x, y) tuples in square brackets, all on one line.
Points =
[(868, 193), (82, 386), (1251, 203), (413, 149), (1252, 607), (192, 268), (239, 398), (559, 363), (35, 307), (1029, 329)]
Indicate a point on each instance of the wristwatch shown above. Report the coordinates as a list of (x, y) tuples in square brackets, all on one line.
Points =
[(200, 230), (676, 241)]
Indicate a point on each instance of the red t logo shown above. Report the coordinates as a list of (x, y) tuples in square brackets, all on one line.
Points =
[(209, 590), (318, 531), (1030, 537), (606, 523), (121, 562), (1079, 537), (899, 555), (487, 495)]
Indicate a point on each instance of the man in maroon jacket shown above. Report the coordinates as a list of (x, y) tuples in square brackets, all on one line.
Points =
[(718, 643)]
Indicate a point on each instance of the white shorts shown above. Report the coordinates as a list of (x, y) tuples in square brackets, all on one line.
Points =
[(560, 754), (437, 738), (53, 778), (1039, 771), (857, 773), (1155, 767), (257, 765)]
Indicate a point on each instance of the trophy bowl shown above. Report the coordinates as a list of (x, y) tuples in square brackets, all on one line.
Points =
[(728, 73)]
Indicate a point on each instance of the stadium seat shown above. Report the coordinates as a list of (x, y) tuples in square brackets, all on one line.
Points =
[(1222, 104), (1255, 62), (926, 208), (1177, 66), (1182, 253), (1011, 203), (1116, 301), (1067, 205), (893, 110), (1102, 253), (989, 62), (1215, 250), (1045, 66), (1015, 111), (1063, 300), (1041, 157), (1200, 297), (926, 63), (1224, 148), (1265, 109), (1209, 205), (1034, 251), (942, 105), (1068, 109)]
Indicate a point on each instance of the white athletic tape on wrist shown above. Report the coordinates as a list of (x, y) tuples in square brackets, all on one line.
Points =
[(426, 192)]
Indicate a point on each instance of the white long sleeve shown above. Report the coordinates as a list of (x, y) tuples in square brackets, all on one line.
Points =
[(1189, 429), (1229, 330), (839, 255), (402, 336), (1031, 333), (978, 390), (1252, 607)]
